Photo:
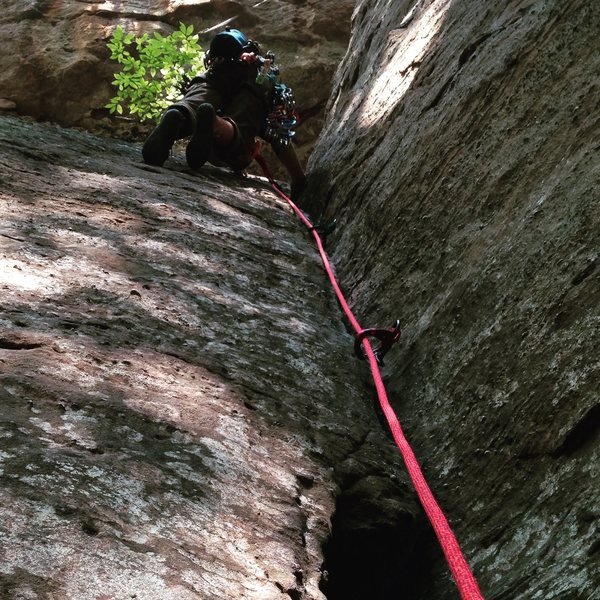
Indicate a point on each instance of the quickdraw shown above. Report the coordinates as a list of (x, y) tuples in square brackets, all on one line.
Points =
[(283, 119), (387, 338)]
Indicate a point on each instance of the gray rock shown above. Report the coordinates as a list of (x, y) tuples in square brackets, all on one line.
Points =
[(460, 157), (169, 429), (180, 404)]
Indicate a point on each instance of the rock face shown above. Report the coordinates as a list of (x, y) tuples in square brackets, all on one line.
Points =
[(180, 404), (181, 415), (460, 156), (54, 64)]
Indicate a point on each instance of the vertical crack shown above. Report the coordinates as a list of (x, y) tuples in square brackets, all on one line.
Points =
[(379, 547)]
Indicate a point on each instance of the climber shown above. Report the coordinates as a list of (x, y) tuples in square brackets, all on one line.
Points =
[(226, 108)]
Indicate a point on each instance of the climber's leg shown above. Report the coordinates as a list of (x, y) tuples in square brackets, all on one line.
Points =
[(173, 126), (179, 121)]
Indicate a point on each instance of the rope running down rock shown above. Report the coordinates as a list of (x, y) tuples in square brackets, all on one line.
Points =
[(465, 581)]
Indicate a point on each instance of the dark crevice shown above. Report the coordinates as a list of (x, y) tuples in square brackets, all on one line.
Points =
[(380, 546), (6, 344), (368, 43), (582, 433), (10, 237), (439, 95), (292, 592), (305, 481), (584, 274), (299, 575), (90, 528), (466, 54)]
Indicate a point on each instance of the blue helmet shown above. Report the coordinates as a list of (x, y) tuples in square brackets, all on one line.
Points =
[(228, 44)]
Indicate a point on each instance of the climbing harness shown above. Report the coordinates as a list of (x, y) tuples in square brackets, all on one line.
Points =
[(386, 337), (465, 582)]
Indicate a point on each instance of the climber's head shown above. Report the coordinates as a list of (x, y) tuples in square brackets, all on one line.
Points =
[(229, 45)]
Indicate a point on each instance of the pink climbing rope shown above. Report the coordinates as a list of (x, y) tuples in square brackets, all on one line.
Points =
[(466, 583)]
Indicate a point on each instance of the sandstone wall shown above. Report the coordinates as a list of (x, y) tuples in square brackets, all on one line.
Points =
[(460, 156), (180, 409)]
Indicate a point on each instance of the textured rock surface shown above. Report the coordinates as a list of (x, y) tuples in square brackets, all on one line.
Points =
[(179, 404), (460, 155), (461, 158), (54, 62)]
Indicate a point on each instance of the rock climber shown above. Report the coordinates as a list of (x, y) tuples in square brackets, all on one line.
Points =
[(226, 108)]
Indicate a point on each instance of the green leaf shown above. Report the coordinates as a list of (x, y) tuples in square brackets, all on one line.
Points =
[(148, 81), (118, 34)]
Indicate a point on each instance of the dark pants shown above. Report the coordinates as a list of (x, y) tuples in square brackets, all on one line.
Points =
[(246, 105)]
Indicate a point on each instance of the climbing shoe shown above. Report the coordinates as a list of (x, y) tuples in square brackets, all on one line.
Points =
[(159, 143), (198, 150)]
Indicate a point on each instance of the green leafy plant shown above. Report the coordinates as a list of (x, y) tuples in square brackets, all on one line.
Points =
[(153, 68)]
